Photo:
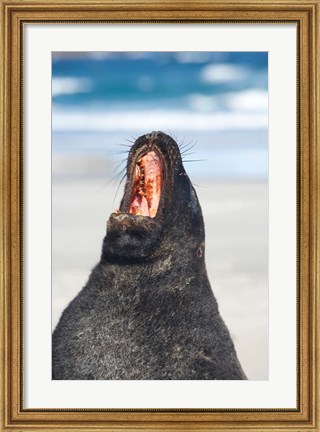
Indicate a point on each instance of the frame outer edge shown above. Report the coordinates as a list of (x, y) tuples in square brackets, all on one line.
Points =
[(5, 251), (6, 222), (160, 5), (314, 203), (316, 216), (2, 227)]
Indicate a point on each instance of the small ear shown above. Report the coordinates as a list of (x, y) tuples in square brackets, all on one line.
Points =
[(200, 250)]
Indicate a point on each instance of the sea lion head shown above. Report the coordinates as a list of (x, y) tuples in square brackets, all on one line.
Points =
[(159, 213)]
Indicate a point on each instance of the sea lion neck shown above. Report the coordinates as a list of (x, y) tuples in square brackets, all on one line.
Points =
[(147, 310), (159, 211)]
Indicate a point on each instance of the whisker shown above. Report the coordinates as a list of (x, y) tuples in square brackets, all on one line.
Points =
[(174, 135), (124, 152), (118, 174), (183, 145), (188, 146), (124, 145), (115, 195), (195, 160), (186, 150), (119, 164), (201, 186), (184, 154), (131, 141)]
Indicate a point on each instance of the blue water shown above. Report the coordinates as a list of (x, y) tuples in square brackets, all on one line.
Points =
[(218, 100)]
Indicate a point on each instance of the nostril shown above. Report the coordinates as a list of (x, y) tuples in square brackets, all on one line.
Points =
[(151, 137), (155, 134)]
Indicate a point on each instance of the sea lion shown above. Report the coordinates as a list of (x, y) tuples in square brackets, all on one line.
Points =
[(147, 310)]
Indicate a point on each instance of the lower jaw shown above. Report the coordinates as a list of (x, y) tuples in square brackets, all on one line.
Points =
[(131, 238)]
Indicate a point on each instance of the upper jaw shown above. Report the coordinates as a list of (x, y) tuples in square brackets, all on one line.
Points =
[(163, 148)]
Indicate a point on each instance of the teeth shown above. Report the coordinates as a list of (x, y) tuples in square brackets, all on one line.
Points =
[(152, 212), (147, 186)]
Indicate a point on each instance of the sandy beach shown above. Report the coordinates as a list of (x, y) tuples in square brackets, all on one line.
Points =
[(236, 221)]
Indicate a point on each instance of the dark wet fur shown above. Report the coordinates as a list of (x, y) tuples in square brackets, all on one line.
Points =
[(147, 310)]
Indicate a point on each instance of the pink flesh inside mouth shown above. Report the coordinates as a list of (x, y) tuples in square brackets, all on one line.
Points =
[(147, 185)]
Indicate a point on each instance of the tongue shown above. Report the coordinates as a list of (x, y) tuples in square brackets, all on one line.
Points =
[(139, 206), (147, 186)]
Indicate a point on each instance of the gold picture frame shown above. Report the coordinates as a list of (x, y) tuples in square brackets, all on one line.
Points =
[(14, 13)]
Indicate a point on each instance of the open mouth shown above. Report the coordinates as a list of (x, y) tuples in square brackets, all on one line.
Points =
[(147, 185)]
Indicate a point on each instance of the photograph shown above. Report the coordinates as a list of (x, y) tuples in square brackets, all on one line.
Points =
[(160, 215)]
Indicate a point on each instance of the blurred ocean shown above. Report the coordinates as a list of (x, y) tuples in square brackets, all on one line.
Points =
[(217, 101)]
